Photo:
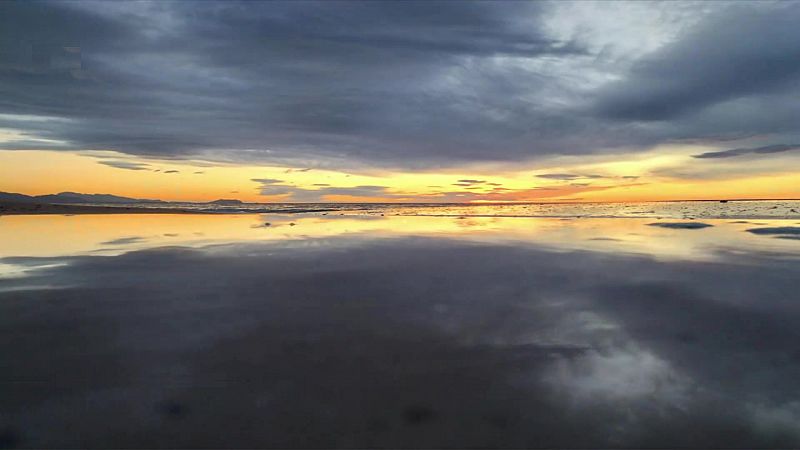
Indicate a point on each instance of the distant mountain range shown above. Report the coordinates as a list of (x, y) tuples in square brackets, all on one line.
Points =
[(72, 198), (92, 199)]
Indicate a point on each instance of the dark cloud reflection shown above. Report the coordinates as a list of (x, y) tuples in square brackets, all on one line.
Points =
[(403, 342)]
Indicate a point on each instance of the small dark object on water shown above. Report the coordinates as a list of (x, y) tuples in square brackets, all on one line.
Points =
[(267, 224), (418, 414), (681, 225), (723, 201), (291, 224), (793, 231)]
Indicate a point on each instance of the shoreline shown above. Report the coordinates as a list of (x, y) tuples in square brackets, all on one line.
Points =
[(19, 208), (9, 208)]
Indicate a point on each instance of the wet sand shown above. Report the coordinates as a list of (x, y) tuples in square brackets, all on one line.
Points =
[(15, 208)]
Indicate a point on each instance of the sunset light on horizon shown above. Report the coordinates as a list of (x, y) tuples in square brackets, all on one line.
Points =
[(653, 176), (302, 102), (405, 224)]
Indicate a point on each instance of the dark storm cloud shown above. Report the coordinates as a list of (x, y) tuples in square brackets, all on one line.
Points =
[(734, 54), (779, 148), (405, 84), (272, 80)]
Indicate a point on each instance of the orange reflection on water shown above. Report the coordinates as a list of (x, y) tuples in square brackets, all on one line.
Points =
[(47, 236)]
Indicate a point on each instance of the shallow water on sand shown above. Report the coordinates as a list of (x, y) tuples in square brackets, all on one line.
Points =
[(710, 209), (361, 330)]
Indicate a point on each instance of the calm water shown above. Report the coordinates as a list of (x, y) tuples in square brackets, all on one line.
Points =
[(774, 209), (452, 329)]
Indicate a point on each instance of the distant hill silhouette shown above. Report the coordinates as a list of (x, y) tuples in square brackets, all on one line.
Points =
[(226, 201), (72, 197)]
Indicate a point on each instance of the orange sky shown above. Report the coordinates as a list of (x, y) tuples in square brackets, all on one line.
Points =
[(646, 176)]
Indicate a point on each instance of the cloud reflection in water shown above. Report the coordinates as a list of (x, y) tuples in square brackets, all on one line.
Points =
[(374, 339)]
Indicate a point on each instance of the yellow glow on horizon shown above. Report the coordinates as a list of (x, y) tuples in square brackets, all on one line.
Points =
[(53, 236), (633, 178)]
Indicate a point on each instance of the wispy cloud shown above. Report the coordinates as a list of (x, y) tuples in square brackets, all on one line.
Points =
[(468, 182), (321, 192), (768, 149), (567, 176), (128, 165)]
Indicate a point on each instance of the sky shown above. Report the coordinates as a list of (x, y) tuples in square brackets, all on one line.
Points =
[(401, 101)]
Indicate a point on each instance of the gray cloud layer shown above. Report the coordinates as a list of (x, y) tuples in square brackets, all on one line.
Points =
[(409, 84), (271, 187), (567, 176), (735, 54), (129, 165), (780, 148)]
